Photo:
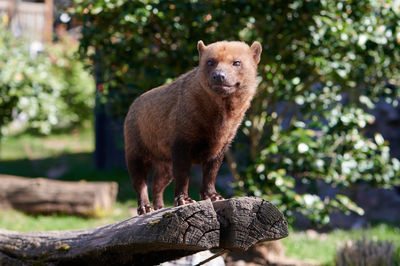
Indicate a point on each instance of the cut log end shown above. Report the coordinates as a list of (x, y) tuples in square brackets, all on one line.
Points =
[(167, 234), (247, 221)]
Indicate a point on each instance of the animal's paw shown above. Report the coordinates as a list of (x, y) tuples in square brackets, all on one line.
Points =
[(213, 196), (158, 206), (182, 199), (144, 208)]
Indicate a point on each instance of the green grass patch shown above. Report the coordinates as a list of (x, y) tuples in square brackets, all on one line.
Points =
[(33, 147), (321, 248), (21, 222)]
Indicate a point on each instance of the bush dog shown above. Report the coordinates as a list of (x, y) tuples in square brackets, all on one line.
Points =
[(190, 121)]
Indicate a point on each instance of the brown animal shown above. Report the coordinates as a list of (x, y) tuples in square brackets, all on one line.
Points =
[(190, 121)]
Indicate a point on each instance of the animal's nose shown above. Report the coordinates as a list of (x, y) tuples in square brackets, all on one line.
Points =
[(219, 76)]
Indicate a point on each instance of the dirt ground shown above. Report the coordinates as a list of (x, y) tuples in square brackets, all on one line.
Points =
[(270, 253)]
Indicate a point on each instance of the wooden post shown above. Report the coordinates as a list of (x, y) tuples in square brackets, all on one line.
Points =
[(10, 12), (48, 25)]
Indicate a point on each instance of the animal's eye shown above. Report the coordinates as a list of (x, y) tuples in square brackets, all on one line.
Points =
[(210, 62), (237, 63)]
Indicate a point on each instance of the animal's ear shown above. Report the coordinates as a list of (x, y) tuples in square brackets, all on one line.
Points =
[(200, 47), (256, 50)]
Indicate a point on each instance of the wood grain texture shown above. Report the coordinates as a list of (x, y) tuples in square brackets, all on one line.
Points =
[(164, 235), (246, 221), (45, 196)]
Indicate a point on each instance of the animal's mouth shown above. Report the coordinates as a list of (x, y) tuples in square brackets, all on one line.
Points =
[(224, 89)]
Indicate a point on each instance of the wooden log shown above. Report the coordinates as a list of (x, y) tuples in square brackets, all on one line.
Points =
[(163, 235), (45, 196), (247, 221)]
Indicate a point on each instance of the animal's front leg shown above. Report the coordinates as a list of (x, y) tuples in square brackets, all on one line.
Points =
[(210, 170), (181, 163)]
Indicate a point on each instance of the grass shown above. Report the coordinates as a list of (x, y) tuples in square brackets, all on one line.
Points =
[(321, 248), (31, 147), (18, 221), (69, 157)]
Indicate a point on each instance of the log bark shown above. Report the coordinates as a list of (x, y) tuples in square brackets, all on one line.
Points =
[(167, 234), (45, 196)]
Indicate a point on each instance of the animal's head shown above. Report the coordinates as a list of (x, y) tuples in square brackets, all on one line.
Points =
[(227, 67)]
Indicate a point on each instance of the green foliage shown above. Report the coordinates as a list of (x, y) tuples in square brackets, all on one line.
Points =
[(78, 84), (324, 64), (43, 92)]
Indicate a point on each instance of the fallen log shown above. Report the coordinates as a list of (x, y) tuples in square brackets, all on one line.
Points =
[(45, 196), (163, 235)]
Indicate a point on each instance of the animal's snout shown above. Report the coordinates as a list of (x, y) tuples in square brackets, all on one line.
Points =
[(219, 76)]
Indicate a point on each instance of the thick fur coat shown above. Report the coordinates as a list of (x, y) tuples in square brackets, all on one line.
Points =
[(190, 121)]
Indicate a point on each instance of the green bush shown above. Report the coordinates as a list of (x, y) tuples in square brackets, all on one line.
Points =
[(324, 64), (47, 91)]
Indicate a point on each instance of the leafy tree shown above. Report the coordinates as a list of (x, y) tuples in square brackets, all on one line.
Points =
[(47, 91), (324, 64)]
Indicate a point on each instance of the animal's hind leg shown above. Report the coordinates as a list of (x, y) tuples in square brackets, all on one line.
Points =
[(138, 170), (161, 178)]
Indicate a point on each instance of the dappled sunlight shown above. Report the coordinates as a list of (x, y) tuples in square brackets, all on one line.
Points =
[(39, 147)]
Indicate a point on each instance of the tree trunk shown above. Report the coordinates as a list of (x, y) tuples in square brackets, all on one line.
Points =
[(163, 235), (45, 196)]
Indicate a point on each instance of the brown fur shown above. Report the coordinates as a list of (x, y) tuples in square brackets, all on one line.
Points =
[(190, 121)]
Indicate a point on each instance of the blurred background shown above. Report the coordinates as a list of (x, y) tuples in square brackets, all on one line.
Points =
[(321, 140)]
